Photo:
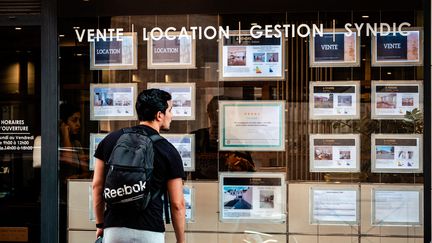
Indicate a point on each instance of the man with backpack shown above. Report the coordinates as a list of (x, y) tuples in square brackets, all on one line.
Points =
[(134, 167)]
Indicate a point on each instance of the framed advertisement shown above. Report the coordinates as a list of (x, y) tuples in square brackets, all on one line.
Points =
[(397, 153), (189, 196), (334, 49), (252, 125), (113, 101), (242, 57), (252, 196), (403, 48), (114, 54), (183, 97), (330, 206), (171, 52), (393, 99), (95, 139), (334, 152), (185, 145), (398, 206), (334, 100), (91, 216)]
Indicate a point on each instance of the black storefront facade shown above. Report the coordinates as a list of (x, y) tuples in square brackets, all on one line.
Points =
[(45, 196)]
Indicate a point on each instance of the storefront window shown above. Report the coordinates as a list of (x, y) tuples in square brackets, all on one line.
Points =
[(291, 138), (20, 129)]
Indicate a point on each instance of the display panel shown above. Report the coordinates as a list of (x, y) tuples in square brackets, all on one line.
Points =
[(334, 206), (95, 139), (188, 193), (397, 206), (334, 100), (334, 49), (393, 99), (403, 48), (397, 153), (114, 54), (243, 57), (183, 97), (171, 52), (185, 145), (334, 152), (252, 196), (92, 216), (254, 126), (114, 101)]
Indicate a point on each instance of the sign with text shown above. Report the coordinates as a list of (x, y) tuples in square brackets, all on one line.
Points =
[(398, 49), (335, 49)]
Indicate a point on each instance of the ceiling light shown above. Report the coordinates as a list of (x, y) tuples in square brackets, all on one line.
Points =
[(18, 28), (76, 27), (365, 16), (61, 36)]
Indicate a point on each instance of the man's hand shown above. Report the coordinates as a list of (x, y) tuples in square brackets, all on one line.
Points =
[(99, 232)]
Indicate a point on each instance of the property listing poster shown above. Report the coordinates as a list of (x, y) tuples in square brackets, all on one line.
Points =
[(334, 206), (336, 48), (183, 97), (397, 49), (172, 52), (394, 100), (247, 57), (95, 139), (391, 153), (112, 53), (334, 153), (251, 125), (111, 102), (334, 101), (187, 192), (91, 215), (252, 197), (396, 206), (185, 146)]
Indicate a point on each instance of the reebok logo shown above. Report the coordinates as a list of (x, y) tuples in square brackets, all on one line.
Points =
[(124, 190)]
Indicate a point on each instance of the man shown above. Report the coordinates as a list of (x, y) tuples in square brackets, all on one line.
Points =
[(130, 225)]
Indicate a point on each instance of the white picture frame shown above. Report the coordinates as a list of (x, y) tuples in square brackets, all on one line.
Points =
[(397, 206), (334, 153), (111, 54), (397, 153), (252, 197), (334, 206), (175, 51), (336, 100), (395, 49), (185, 145), (113, 101), (95, 139), (183, 97), (251, 58), (392, 99), (252, 125), (334, 49)]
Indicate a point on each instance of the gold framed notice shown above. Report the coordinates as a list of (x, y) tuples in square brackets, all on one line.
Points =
[(116, 53), (243, 57), (248, 197), (252, 125), (397, 153), (113, 101), (393, 99), (175, 51), (404, 48), (397, 206), (337, 100), (95, 139), (185, 145), (336, 48), (183, 97), (334, 153), (331, 206)]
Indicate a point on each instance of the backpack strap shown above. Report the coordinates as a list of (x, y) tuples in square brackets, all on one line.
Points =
[(166, 209), (154, 138)]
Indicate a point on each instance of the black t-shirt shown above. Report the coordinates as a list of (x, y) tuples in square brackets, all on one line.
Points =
[(167, 165)]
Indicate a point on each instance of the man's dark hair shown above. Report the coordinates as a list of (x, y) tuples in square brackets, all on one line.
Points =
[(150, 102)]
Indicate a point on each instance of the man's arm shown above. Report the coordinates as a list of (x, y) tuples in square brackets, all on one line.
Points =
[(97, 185), (178, 210)]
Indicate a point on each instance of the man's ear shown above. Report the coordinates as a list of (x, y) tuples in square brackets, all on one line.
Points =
[(159, 116)]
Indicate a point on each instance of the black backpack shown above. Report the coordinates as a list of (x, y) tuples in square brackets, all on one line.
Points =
[(129, 170)]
